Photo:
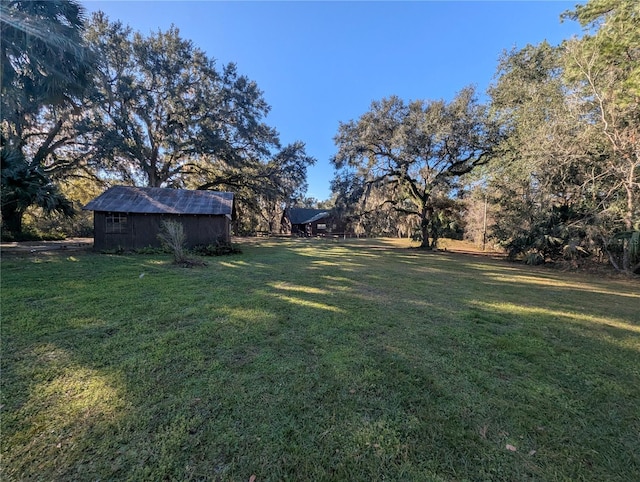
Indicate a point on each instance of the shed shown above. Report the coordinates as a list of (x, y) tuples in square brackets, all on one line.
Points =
[(308, 222), (131, 217)]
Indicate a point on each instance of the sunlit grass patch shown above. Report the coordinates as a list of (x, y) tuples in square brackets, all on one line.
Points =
[(571, 317), (63, 406)]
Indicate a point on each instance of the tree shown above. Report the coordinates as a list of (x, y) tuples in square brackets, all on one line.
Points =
[(347, 192), (369, 214), (45, 70), (545, 160), (604, 69), (167, 116), (263, 189), (418, 152), (568, 183), (284, 184), (166, 113)]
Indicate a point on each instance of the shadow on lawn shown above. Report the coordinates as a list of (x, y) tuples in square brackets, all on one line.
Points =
[(327, 361)]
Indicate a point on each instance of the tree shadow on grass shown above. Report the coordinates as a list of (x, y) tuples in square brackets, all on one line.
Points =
[(333, 363)]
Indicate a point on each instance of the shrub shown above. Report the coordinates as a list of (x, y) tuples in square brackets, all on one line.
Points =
[(29, 233), (173, 238), (152, 250), (220, 248)]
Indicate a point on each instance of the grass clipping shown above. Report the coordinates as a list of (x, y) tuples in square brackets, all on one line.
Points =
[(173, 238)]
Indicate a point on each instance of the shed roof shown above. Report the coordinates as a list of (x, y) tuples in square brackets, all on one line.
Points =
[(305, 215), (158, 200)]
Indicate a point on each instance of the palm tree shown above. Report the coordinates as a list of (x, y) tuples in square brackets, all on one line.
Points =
[(26, 184), (44, 67), (44, 59)]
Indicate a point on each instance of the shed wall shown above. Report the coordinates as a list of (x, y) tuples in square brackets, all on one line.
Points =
[(142, 230)]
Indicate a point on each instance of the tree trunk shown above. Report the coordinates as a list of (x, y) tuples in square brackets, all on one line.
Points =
[(424, 228), (434, 238), (628, 224), (12, 219), (153, 180)]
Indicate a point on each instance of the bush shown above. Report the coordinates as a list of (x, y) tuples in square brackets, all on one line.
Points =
[(151, 250), (29, 233), (173, 238), (80, 225), (221, 247)]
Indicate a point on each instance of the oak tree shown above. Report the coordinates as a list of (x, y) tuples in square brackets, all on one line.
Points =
[(418, 151), (166, 112)]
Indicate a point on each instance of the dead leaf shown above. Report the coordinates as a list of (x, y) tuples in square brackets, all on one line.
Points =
[(532, 452), (252, 478), (512, 448)]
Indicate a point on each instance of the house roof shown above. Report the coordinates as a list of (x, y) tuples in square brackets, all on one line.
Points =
[(158, 200), (304, 215)]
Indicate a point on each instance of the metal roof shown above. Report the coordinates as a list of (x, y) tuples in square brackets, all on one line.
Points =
[(158, 200), (304, 215)]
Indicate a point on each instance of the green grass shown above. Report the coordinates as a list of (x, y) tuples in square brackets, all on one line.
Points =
[(316, 360)]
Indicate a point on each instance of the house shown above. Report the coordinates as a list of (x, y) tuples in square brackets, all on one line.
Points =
[(131, 217), (309, 222)]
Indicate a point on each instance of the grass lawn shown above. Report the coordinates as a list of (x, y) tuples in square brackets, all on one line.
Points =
[(316, 360)]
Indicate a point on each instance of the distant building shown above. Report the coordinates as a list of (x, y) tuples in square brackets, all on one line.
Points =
[(130, 217), (309, 222)]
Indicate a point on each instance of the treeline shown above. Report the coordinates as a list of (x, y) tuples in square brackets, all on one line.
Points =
[(91, 103), (548, 168)]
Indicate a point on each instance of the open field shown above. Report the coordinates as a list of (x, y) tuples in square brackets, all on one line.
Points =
[(316, 360)]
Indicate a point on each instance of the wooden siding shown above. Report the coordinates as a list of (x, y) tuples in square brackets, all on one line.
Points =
[(142, 230)]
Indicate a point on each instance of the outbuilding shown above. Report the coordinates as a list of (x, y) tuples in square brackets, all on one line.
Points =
[(126, 217), (309, 222)]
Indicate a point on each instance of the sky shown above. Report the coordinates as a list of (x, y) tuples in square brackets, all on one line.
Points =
[(322, 63)]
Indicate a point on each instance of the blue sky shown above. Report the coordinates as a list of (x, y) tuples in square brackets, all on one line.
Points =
[(322, 63)]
